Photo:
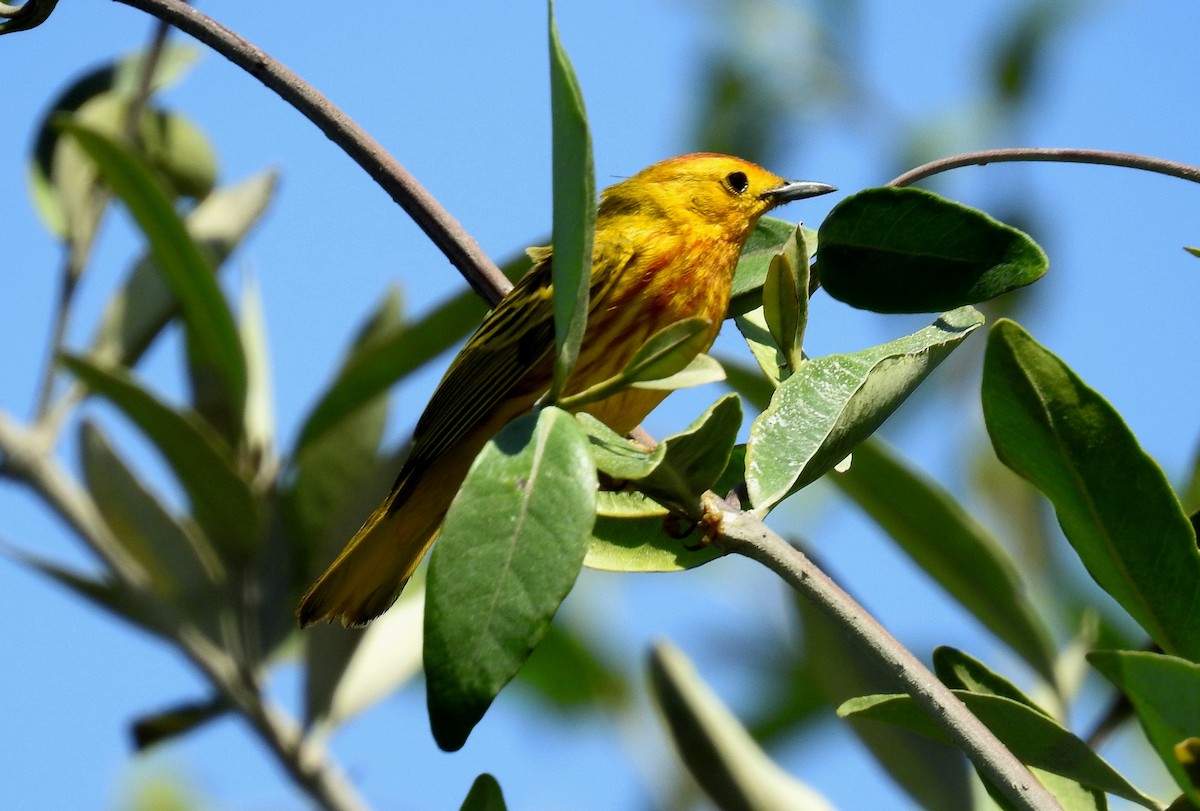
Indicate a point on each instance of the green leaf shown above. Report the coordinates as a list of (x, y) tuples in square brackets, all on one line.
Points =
[(568, 671), (485, 795), (180, 152), (933, 773), (753, 326), (666, 353), (182, 568), (375, 369), (960, 671), (785, 300), (135, 606), (820, 413), (137, 313), (163, 726), (29, 14), (574, 210), (631, 535), (509, 551), (731, 768), (221, 500), (951, 546), (1165, 693), (911, 251), (259, 424), (213, 344), (1035, 739), (766, 240), (699, 371), (1112, 500), (682, 466), (122, 76), (1191, 250), (350, 670)]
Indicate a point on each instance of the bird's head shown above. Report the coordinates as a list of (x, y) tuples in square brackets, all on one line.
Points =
[(707, 190)]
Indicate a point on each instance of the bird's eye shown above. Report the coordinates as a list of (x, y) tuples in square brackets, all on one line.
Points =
[(737, 181)]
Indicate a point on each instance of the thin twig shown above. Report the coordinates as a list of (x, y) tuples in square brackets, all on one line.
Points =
[(445, 232), (737, 531), (1046, 154)]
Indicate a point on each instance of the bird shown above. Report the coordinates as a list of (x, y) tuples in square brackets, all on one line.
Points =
[(667, 241)]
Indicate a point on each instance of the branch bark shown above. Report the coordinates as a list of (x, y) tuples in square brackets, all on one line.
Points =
[(737, 531), (1098, 157)]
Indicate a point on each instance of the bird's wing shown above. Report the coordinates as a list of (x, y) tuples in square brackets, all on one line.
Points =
[(511, 343)]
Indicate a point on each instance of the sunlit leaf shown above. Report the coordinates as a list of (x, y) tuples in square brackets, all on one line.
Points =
[(900, 250), (766, 240), (509, 551), (820, 413), (574, 209), (1112, 500)]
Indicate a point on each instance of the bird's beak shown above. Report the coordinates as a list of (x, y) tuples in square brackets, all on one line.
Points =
[(796, 190)]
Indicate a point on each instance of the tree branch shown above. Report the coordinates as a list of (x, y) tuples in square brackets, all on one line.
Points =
[(1046, 154), (445, 232), (737, 531)]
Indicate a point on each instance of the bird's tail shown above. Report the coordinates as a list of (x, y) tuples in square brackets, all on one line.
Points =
[(369, 574)]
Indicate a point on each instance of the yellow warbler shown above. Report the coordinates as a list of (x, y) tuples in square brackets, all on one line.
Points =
[(667, 241)]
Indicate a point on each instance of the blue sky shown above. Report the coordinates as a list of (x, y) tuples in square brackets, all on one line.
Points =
[(458, 92)]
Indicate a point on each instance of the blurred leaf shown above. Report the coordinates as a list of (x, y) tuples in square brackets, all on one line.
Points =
[(1113, 502), (1021, 46), (259, 425), (933, 773), (1165, 692), (820, 413), (137, 607), (951, 546), (1189, 497), (375, 369), (960, 671), (767, 239), (756, 389), (682, 466), (1192, 251), (509, 551), (320, 500), (911, 251), (179, 151), (123, 77), (566, 670), (27, 15), (485, 795), (142, 307), (574, 210), (1035, 739), (214, 349), (221, 500), (150, 730), (182, 567), (785, 299), (380, 659), (735, 773)]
